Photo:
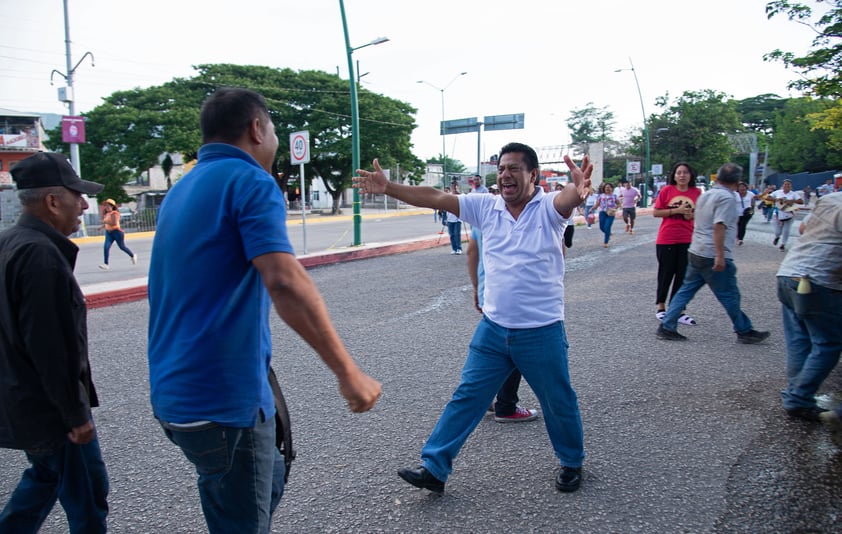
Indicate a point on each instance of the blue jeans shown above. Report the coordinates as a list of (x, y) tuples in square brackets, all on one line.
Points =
[(588, 210), (723, 284), (605, 223), (495, 351), (455, 232), (117, 236), (813, 339), (241, 473), (73, 474)]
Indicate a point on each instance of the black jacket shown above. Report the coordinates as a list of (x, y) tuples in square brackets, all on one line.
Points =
[(45, 376)]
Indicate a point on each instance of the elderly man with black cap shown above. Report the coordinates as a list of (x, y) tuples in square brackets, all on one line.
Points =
[(46, 392)]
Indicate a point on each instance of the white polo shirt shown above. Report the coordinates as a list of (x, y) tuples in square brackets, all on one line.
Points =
[(524, 265)]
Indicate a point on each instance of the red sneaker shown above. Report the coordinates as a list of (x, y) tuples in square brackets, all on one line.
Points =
[(521, 415)]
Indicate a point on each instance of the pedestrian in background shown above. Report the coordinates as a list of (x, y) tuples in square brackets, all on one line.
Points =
[(810, 292), (221, 258), (826, 188), (589, 207), (745, 209), (675, 204), (477, 185), (454, 229), (46, 389), (629, 196), (113, 233), (710, 259), (523, 313), (606, 206), (767, 203), (787, 201)]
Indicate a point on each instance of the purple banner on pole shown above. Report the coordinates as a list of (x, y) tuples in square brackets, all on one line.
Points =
[(72, 129)]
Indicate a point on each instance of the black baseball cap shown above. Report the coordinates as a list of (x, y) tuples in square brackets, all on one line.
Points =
[(48, 169)]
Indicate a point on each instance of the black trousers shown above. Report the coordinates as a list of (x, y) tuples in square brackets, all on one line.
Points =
[(672, 264)]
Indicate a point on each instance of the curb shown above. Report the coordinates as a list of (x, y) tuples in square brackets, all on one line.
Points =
[(101, 299)]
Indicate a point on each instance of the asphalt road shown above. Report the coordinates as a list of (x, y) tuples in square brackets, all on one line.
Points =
[(323, 233), (680, 437)]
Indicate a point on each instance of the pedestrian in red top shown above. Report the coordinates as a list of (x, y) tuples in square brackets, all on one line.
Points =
[(676, 204)]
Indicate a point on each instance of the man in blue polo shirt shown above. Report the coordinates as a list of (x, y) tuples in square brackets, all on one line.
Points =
[(220, 258), (523, 312)]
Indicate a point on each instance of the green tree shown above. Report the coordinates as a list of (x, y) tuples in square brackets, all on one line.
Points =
[(797, 146), (757, 114), (453, 166), (590, 124), (131, 129), (820, 70), (694, 128)]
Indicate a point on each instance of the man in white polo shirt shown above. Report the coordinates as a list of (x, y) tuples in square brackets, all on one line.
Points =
[(523, 313)]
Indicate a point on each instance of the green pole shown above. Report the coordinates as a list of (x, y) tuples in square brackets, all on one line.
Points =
[(645, 128), (355, 127)]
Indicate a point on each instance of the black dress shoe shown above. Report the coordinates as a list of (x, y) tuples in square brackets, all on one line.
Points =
[(808, 414), (421, 478), (568, 479)]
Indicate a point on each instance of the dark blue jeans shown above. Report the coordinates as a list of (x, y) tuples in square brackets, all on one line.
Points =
[(73, 474), (112, 236), (605, 223), (507, 398), (455, 232), (241, 473), (813, 339), (723, 284)]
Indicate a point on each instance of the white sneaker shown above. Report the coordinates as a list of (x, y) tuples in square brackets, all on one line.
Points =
[(104, 266), (459, 252), (134, 259)]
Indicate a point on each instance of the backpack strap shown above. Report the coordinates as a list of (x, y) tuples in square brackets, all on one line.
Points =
[(283, 429)]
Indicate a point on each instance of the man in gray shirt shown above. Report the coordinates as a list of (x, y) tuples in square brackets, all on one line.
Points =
[(810, 292), (710, 259)]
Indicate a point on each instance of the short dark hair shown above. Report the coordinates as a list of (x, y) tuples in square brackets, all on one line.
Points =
[(228, 112), (529, 155), (730, 173), (671, 179)]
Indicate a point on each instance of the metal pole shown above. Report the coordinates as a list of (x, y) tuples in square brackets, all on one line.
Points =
[(355, 127), (443, 148), (74, 147), (479, 157), (303, 205), (645, 125)]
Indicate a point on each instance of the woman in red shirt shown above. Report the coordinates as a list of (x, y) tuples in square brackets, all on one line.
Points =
[(676, 204)]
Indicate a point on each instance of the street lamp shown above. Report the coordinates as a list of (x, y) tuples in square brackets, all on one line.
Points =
[(443, 128), (645, 122), (355, 118)]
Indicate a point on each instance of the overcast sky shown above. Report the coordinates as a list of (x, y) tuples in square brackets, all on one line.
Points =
[(542, 58)]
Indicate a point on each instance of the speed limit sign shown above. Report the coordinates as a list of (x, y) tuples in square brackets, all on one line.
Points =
[(299, 147)]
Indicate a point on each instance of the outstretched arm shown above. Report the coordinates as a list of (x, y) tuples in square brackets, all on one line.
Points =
[(300, 305), (577, 190), (425, 197)]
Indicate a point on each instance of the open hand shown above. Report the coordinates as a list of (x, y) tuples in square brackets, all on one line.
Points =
[(580, 176), (371, 182)]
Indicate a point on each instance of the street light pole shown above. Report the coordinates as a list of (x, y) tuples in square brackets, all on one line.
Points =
[(645, 122), (443, 128), (355, 118), (70, 98)]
